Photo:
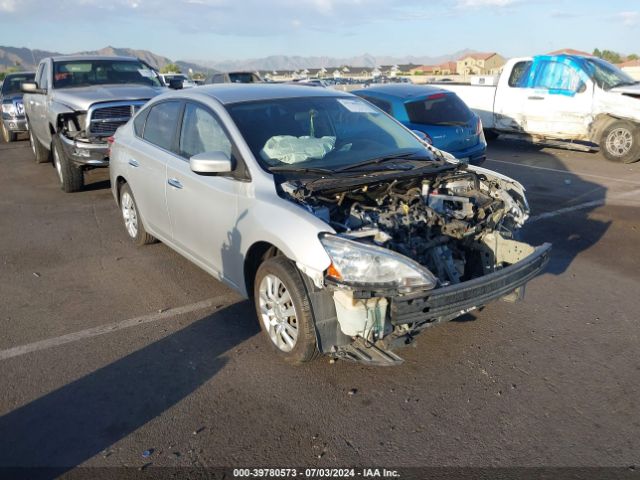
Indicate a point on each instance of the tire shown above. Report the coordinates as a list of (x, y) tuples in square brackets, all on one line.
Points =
[(620, 142), (8, 136), (132, 222), (275, 278), (41, 154), (71, 176), (490, 134)]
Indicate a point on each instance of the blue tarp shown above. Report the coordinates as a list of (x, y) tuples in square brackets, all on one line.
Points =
[(558, 74)]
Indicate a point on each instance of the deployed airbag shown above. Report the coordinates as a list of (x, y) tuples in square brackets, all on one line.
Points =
[(289, 149)]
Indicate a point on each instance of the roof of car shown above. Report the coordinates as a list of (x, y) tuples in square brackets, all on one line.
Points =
[(227, 93), (401, 91), (67, 58)]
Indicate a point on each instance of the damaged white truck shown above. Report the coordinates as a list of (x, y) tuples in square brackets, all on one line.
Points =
[(562, 100), (350, 234), (76, 103)]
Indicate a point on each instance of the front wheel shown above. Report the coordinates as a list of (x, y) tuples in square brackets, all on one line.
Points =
[(620, 142), (71, 176), (284, 310)]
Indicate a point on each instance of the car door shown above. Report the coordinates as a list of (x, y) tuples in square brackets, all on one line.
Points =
[(559, 101), (146, 158), (204, 208), (509, 104), (37, 106)]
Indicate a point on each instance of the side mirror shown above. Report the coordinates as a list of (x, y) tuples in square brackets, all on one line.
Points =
[(210, 162), (422, 136), (582, 87), (175, 84), (31, 87)]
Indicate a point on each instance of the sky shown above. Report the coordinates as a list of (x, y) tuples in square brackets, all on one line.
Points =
[(241, 29)]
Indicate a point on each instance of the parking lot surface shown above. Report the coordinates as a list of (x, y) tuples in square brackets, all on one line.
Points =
[(108, 350)]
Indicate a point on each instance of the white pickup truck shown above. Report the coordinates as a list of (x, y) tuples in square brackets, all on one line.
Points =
[(562, 98)]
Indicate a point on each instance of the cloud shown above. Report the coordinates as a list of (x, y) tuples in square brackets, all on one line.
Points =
[(628, 19), (485, 3), (8, 6)]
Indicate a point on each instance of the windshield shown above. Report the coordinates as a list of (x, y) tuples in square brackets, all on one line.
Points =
[(84, 73), (320, 132), (607, 76), (439, 109), (11, 84)]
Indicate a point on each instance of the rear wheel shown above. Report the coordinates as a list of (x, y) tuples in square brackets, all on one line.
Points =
[(131, 218), (284, 310), (620, 142), (41, 154), (71, 176), (8, 136)]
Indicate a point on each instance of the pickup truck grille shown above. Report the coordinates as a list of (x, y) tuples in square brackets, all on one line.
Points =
[(105, 118)]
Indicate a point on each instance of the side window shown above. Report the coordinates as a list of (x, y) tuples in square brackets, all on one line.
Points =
[(381, 104), (138, 122), (557, 77), (519, 74), (161, 124), (201, 132)]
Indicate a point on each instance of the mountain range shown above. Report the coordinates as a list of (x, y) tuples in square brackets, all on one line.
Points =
[(28, 59)]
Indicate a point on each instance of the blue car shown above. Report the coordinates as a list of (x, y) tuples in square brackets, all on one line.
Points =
[(445, 119)]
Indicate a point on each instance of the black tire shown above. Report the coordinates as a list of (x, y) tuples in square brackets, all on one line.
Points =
[(305, 348), (490, 134), (620, 142), (140, 237), (8, 136), (40, 153), (71, 176)]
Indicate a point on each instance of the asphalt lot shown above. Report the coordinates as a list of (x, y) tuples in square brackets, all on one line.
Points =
[(137, 349)]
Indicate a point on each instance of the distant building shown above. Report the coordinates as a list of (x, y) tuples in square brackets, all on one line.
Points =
[(480, 64), (570, 51), (632, 67)]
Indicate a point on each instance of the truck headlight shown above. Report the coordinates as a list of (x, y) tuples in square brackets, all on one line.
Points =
[(9, 109), (372, 266)]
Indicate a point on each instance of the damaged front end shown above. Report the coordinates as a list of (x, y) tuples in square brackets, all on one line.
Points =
[(408, 253)]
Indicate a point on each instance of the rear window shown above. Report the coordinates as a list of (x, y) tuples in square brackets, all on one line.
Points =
[(439, 109), (161, 124)]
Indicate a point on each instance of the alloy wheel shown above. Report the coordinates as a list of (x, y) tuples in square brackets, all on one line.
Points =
[(619, 142), (129, 214), (278, 313)]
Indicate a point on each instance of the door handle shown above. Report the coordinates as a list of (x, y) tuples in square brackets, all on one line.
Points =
[(174, 182), (536, 98), (133, 163)]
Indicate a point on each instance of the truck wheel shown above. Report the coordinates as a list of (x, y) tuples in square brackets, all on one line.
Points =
[(71, 176), (284, 310), (620, 142), (8, 136), (131, 218), (41, 154)]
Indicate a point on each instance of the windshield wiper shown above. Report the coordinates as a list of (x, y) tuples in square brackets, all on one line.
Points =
[(291, 168), (381, 159)]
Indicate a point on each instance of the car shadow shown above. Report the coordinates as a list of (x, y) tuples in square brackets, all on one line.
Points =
[(68, 426), (551, 186)]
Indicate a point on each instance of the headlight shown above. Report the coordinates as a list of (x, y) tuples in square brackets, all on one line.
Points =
[(9, 109), (357, 263)]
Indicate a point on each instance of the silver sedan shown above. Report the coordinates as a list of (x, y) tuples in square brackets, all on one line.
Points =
[(350, 234)]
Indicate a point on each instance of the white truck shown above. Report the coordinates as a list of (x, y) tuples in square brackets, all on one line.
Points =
[(562, 98)]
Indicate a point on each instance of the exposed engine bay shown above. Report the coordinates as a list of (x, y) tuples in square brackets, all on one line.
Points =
[(440, 221), (458, 224)]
